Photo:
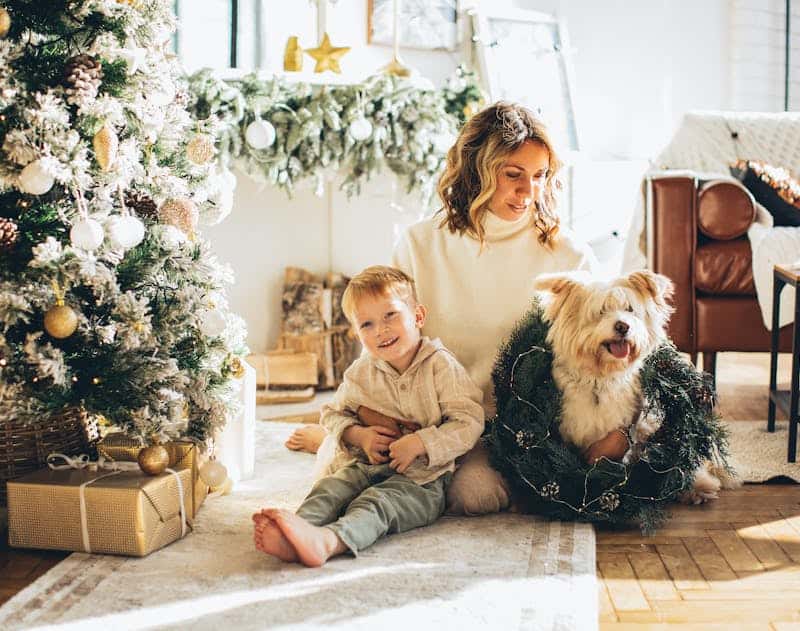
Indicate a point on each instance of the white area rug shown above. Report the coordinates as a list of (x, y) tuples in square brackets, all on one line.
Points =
[(758, 455), (503, 571)]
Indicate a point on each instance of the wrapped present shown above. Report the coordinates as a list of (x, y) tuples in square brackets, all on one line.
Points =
[(99, 511), (183, 454)]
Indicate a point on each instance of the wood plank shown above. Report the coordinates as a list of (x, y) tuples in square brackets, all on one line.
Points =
[(761, 544), (732, 612), (707, 556), (681, 567), (620, 580), (654, 580), (606, 608), (736, 553), (782, 533), (665, 626)]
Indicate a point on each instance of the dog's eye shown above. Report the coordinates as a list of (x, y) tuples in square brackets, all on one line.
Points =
[(629, 309)]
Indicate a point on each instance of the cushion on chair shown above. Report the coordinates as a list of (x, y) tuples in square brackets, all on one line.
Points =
[(773, 187), (724, 268), (725, 210)]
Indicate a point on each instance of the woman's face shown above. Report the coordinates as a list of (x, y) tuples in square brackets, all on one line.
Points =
[(520, 181)]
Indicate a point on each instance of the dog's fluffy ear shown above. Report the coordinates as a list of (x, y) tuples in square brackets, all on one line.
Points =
[(651, 285), (556, 284)]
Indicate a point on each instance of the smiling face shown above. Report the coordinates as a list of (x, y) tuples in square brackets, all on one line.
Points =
[(389, 328), (602, 328), (520, 181)]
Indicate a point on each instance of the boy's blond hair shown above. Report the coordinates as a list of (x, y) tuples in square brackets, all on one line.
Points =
[(377, 281)]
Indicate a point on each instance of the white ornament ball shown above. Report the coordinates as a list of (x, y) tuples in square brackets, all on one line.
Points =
[(213, 473), (260, 134), (34, 179), (360, 129), (86, 234), (225, 488), (125, 231), (212, 322)]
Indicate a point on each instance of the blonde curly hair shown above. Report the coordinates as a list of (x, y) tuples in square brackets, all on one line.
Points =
[(473, 162)]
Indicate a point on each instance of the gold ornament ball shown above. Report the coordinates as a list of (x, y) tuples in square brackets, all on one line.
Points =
[(60, 321), (181, 213), (200, 149), (153, 460), (213, 473), (237, 369), (5, 22)]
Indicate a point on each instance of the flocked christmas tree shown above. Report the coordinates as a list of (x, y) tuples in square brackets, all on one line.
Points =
[(110, 301)]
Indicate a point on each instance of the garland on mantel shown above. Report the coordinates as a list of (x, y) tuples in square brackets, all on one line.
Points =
[(283, 132)]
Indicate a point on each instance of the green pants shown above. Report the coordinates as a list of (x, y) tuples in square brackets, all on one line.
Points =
[(362, 502)]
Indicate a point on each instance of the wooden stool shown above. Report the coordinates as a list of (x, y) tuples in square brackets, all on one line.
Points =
[(786, 400)]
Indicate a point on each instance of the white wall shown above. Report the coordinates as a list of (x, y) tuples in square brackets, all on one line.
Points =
[(638, 67)]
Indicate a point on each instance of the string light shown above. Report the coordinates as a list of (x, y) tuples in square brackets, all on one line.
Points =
[(609, 498)]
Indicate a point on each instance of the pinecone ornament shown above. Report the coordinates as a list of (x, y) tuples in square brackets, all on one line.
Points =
[(82, 77), (142, 204), (9, 234)]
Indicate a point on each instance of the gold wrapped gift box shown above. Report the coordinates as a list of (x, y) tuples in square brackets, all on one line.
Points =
[(183, 454), (127, 512)]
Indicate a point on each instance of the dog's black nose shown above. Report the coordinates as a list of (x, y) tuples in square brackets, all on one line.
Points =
[(620, 327)]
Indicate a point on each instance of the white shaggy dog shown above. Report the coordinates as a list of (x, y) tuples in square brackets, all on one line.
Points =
[(600, 333)]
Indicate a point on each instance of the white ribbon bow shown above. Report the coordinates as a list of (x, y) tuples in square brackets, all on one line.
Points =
[(113, 467)]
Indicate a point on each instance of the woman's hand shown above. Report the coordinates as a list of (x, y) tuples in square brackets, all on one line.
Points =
[(612, 446), (374, 441), (404, 451), (371, 418)]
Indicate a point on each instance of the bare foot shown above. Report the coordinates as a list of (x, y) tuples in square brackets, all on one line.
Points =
[(307, 438), (313, 544), (268, 538)]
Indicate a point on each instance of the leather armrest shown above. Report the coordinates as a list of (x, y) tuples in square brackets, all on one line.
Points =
[(672, 241), (725, 210)]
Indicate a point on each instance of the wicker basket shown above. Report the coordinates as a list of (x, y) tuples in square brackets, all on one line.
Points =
[(24, 448)]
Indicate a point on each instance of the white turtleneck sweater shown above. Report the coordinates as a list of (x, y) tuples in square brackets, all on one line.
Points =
[(475, 298)]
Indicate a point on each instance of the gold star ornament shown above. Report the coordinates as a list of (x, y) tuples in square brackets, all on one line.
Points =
[(327, 56)]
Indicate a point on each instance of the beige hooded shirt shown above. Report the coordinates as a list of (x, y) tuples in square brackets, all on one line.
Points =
[(434, 391)]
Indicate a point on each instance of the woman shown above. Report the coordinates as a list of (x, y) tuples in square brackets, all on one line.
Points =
[(474, 264)]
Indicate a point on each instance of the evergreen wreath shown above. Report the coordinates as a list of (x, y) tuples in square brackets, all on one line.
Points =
[(551, 478)]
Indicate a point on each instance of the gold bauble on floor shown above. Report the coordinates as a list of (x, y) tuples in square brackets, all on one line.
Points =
[(60, 321), (5, 22), (153, 460)]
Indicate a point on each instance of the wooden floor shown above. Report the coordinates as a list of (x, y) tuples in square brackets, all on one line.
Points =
[(731, 564)]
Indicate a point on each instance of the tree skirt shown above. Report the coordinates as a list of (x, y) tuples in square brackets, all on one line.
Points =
[(758, 455), (505, 571)]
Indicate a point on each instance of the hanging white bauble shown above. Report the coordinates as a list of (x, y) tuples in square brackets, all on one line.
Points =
[(360, 129), (213, 473), (35, 179), (211, 322), (260, 134), (125, 231), (86, 234)]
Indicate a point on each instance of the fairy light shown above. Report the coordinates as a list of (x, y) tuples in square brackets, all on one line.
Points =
[(550, 490)]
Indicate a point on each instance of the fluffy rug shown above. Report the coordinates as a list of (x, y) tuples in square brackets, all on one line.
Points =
[(758, 455), (503, 571)]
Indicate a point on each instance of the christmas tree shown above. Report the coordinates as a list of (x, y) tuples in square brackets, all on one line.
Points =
[(110, 301)]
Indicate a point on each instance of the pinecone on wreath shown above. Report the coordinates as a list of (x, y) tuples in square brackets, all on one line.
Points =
[(142, 204), (9, 234), (82, 77)]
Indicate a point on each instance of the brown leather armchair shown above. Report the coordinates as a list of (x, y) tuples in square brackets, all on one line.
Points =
[(697, 236)]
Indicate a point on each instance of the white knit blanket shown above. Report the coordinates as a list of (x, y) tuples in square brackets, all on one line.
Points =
[(704, 144)]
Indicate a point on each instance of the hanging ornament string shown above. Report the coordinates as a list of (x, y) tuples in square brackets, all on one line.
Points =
[(86, 233)]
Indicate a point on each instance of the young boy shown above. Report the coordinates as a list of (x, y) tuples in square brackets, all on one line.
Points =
[(387, 485)]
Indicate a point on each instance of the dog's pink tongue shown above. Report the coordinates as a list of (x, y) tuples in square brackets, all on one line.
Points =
[(619, 350)]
